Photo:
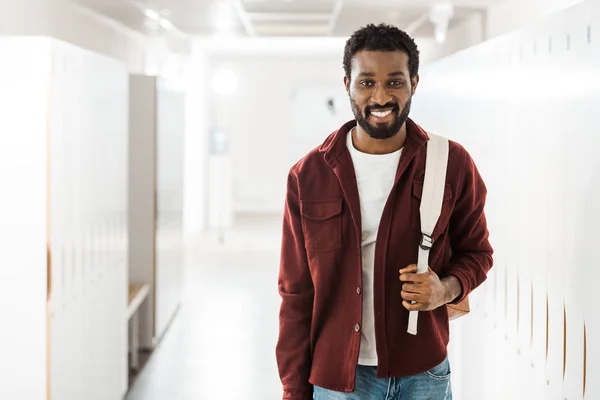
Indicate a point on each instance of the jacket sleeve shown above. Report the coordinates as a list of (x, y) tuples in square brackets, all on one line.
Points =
[(471, 250), (296, 289)]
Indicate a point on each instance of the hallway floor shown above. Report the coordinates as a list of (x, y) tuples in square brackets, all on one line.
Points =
[(221, 345)]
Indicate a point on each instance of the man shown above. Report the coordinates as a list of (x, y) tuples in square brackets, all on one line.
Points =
[(350, 243)]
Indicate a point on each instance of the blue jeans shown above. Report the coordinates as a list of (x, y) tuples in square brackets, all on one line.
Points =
[(430, 385)]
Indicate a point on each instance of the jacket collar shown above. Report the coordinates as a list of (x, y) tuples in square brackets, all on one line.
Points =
[(335, 145), (338, 158)]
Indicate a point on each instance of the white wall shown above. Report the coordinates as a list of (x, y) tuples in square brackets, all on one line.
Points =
[(196, 147), (170, 116), (505, 16), (156, 149), (469, 33), (87, 125), (141, 54), (23, 219), (524, 104), (263, 116), (508, 15), (65, 198), (72, 23)]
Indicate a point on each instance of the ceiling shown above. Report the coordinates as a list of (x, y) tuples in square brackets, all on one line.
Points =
[(298, 18)]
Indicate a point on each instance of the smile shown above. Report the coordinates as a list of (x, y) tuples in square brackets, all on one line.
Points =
[(381, 116)]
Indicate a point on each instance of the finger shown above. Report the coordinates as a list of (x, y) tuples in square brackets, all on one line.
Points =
[(412, 307), (411, 288), (411, 269), (416, 306), (411, 296), (418, 278)]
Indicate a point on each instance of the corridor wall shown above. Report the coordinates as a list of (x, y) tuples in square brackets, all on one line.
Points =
[(63, 230), (525, 106), (24, 74), (276, 78), (156, 164), (88, 143)]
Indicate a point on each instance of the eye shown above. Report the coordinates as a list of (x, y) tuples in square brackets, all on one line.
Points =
[(366, 83), (396, 83)]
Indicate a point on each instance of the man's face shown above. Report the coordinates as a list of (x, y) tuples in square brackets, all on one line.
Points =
[(380, 91)]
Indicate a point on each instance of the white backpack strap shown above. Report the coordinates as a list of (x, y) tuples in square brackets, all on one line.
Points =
[(436, 165)]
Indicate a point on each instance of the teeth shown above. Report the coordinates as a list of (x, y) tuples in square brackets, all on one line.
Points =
[(381, 114)]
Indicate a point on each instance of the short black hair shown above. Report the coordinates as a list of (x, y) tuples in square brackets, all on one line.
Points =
[(381, 37)]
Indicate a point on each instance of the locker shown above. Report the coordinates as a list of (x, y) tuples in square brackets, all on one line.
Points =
[(535, 137)]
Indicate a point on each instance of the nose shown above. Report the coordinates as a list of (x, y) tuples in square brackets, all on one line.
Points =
[(380, 95)]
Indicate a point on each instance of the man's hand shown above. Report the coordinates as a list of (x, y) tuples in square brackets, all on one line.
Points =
[(426, 289)]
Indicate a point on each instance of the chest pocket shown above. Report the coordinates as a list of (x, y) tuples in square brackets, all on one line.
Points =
[(322, 224), (446, 212)]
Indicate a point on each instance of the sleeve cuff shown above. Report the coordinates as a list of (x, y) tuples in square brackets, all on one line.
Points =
[(463, 285), (298, 393)]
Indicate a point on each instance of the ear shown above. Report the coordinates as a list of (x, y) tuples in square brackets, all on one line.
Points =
[(347, 84), (415, 82)]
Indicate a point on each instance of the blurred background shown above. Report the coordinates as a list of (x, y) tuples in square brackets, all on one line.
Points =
[(144, 149)]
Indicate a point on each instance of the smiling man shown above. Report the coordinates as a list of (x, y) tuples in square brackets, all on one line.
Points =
[(351, 233)]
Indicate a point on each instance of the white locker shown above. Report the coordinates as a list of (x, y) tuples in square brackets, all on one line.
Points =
[(24, 76), (88, 201), (156, 199), (526, 109), (64, 167)]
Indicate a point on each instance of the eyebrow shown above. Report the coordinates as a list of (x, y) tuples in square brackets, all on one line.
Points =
[(371, 74)]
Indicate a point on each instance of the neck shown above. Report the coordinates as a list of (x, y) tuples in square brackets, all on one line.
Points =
[(366, 144)]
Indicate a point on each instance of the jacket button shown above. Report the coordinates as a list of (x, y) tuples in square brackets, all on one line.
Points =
[(357, 328), (358, 290)]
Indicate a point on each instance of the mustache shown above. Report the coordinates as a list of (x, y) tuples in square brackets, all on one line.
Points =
[(393, 106)]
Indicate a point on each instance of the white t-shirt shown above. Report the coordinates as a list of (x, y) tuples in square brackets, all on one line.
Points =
[(375, 174)]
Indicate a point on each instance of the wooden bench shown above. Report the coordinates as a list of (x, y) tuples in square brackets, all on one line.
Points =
[(138, 292)]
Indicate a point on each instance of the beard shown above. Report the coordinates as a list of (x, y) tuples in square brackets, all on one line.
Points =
[(383, 130)]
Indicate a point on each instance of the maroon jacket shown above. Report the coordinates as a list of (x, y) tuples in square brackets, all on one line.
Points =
[(320, 279)]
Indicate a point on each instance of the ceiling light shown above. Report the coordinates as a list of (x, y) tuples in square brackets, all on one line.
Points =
[(440, 34), (153, 15), (165, 23), (223, 20), (157, 17), (440, 15)]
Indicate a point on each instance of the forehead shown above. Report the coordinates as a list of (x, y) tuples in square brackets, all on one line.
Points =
[(380, 61)]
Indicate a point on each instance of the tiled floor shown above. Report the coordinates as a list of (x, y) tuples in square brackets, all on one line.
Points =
[(222, 343)]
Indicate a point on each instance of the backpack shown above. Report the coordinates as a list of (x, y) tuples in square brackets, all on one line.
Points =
[(431, 206)]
